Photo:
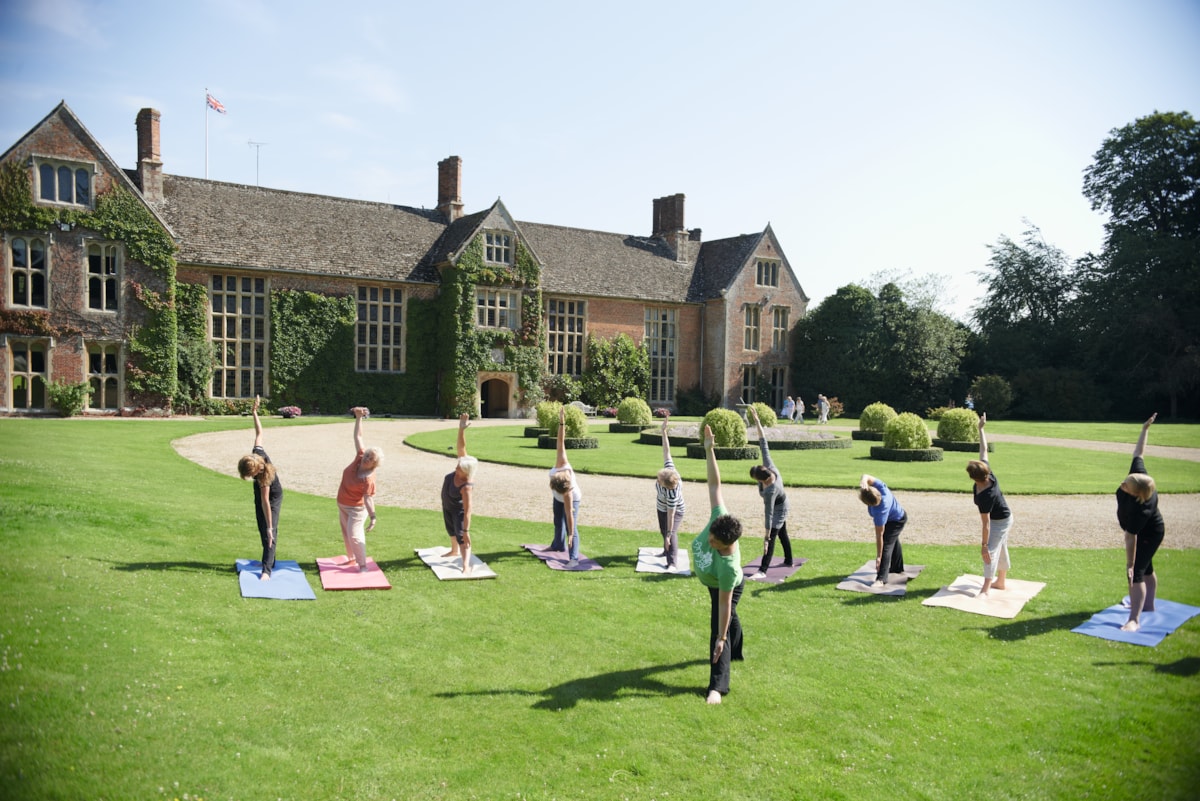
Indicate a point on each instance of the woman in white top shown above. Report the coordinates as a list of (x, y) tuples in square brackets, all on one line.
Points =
[(669, 501)]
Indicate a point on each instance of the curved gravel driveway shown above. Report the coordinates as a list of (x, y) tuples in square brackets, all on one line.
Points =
[(311, 458)]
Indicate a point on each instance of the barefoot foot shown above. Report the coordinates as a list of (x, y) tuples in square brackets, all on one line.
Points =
[(1132, 625), (714, 697)]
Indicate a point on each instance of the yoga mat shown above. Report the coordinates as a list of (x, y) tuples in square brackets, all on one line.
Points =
[(450, 569), (860, 580), (1166, 617), (557, 560), (1000, 603), (337, 575), (649, 561), (287, 581), (776, 571)]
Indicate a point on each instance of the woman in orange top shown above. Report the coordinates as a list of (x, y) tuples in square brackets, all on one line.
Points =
[(356, 495)]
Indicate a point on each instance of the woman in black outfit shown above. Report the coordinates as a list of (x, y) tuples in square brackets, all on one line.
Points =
[(1137, 512)]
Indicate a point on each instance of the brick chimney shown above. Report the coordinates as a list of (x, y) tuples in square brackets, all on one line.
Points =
[(450, 188), (668, 223), (149, 166)]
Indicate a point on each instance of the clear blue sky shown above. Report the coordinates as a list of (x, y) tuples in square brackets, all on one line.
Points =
[(903, 136)]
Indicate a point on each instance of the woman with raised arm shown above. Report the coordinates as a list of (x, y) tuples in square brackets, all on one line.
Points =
[(669, 500), (1137, 512), (268, 494), (718, 565), (775, 503), (456, 498), (996, 516), (567, 496), (889, 518), (356, 495)]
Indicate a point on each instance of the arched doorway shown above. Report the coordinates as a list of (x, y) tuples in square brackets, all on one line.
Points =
[(497, 394)]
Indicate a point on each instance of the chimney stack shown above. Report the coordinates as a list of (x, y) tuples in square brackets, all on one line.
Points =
[(450, 188), (149, 167), (668, 223)]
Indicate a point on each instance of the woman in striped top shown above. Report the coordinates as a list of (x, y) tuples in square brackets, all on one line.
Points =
[(669, 502)]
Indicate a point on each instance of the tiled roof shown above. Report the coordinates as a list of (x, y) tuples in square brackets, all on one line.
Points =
[(720, 262), (580, 262), (234, 225)]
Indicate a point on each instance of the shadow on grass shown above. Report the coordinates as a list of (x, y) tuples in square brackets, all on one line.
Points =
[(1188, 666), (612, 686), (1020, 629), (192, 567), (870, 597), (792, 584)]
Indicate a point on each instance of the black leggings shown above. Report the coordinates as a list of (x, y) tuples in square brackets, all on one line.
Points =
[(1143, 554), (718, 672), (769, 547)]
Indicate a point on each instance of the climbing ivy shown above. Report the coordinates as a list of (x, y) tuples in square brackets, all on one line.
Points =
[(303, 325), (468, 350)]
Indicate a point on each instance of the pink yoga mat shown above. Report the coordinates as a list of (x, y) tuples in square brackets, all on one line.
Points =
[(558, 560), (776, 572), (336, 575)]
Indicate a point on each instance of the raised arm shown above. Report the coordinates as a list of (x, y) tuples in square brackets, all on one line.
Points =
[(754, 413), (464, 420), (258, 431), (1141, 442), (666, 441), (561, 458), (867, 481), (358, 411), (982, 438), (714, 472)]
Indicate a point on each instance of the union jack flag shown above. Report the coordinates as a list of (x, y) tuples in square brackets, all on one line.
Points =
[(215, 104)]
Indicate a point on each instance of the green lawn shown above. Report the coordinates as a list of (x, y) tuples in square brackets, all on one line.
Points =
[(1024, 469), (131, 668)]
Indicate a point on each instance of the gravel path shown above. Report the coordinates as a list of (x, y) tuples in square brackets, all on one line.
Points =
[(311, 458)]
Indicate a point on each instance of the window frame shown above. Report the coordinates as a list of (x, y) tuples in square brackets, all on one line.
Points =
[(43, 165), (766, 272), (499, 251), (108, 280), (103, 377), (30, 273), (46, 345), (664, 367), (394, 352), (752, 327), (248, 361), (779, 332), (749, 383), (490, 308), (566, 346)]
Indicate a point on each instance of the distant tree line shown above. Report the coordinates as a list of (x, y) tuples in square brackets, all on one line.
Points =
[(1112, 334)]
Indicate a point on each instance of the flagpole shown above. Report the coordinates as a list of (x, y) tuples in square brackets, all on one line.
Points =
[(206, 133)]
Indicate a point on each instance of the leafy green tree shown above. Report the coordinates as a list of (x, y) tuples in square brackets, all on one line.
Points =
[(1140, 298), (616, 368)]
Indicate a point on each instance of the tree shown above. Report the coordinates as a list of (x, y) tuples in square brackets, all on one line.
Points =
[(1141, 296), (616, 369)]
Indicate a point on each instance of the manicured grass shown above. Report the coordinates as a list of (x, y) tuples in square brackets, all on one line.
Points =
[(1023, 469), (130, 667)]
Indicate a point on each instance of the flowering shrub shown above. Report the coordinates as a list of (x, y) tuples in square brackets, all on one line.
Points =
[(662, 411), (608, 411), (289, 411)]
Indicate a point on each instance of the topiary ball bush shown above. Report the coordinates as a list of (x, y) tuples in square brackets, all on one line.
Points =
[(906, 432), (766, 415), (634, 412), (876, 417), (959, 425), (577, 424), (729, 430), (547, 415)]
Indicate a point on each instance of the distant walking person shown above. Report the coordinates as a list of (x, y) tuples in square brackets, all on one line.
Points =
[(822, 409), (996, 516), (456, 498), (798, 415), (356, 495), (789, 409), (668, 503), (1137, 512), (775, 503), (889, 518), (268, 494)]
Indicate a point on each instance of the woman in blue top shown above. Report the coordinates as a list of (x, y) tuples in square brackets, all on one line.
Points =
[(889, 518), (718, 564), (1137, 512), (268, 494), (669, 500), (995, 514), (775, 503)]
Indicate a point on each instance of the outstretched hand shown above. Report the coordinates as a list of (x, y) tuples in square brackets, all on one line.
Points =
[(257, 401), (982, 420), (464, 420), (708, 437), (1150, 422)]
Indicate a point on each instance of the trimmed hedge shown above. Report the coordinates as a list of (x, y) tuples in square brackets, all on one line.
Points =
[(628, 428), (955, 445), (835, 443), (570, 443), (906, 454), (655, 438), (536, 431), (873, 436), (749, 452)]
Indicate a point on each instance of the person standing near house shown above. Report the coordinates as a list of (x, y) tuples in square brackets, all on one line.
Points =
[(669, 500), (996, 516), (356, 495), (456, 498), (268, 493), (822, 409), (788, 410), (718, 565), (775, 503), (567, 497), (889, 519), (1137, 512), (798, 416)]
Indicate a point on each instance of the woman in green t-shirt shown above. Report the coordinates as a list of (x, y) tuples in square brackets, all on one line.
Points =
[(718, 564)]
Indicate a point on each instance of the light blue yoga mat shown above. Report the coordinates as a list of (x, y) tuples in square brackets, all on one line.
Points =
[(287, 581), (1166, 617)]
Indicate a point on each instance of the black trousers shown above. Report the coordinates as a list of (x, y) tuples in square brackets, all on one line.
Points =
[(270, 540), (769, 549), (892, 560), (718, 672)]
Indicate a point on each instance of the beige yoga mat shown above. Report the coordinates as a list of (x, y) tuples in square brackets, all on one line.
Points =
[(450, 569), (862, 579), (649, 561), (961, 595)]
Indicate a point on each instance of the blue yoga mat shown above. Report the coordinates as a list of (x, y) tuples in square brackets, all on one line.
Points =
[(287, 581), (1166, 617)]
